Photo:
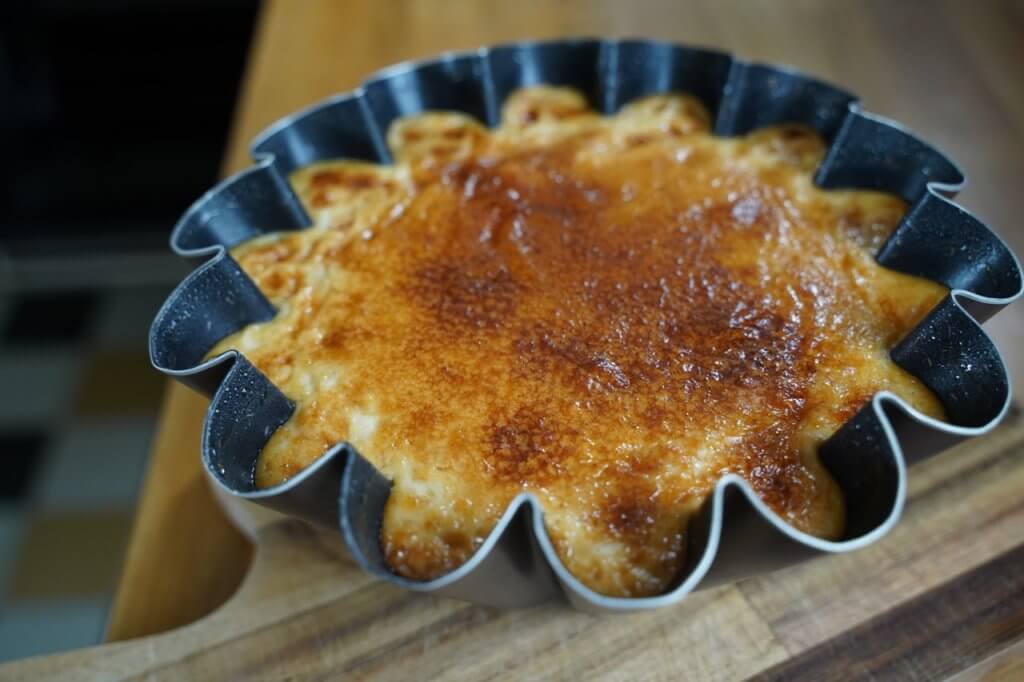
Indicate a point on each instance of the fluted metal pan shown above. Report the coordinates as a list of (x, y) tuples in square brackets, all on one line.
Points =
[(735, 534)]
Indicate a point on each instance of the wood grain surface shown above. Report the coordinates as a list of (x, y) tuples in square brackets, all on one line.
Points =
[(943, 594), (940, 597)]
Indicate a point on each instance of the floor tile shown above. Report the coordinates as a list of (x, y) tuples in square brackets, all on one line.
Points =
[(50, 318), (20, 455), (37, 384), (12, 521), (70, 554), (41, 627), (124, 316), (95, 464)]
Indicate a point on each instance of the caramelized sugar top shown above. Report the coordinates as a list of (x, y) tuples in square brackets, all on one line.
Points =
[(608, 312)]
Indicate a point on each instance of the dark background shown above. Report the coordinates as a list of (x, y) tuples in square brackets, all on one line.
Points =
[(113, 120), (113, 117)]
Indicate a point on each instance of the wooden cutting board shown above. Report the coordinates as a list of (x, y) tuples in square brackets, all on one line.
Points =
[(942, 596)]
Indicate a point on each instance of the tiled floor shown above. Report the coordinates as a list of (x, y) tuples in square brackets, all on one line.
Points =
[(78, 402)]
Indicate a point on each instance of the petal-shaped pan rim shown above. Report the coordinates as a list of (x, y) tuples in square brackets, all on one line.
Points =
[(866, 151)]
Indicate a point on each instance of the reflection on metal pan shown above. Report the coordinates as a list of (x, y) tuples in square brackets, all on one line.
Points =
[(735, 534)]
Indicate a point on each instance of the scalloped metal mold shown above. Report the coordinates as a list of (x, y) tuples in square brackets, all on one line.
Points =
[(735, 535)]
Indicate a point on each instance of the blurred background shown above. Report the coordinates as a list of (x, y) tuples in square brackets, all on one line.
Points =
[(113, 119)]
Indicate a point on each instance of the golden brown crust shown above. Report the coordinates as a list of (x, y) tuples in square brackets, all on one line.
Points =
[(610, 313)]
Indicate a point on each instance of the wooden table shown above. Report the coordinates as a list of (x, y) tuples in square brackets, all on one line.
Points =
[(943, 595)]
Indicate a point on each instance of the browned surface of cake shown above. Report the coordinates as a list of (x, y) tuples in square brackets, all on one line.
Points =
[(608, 312)]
